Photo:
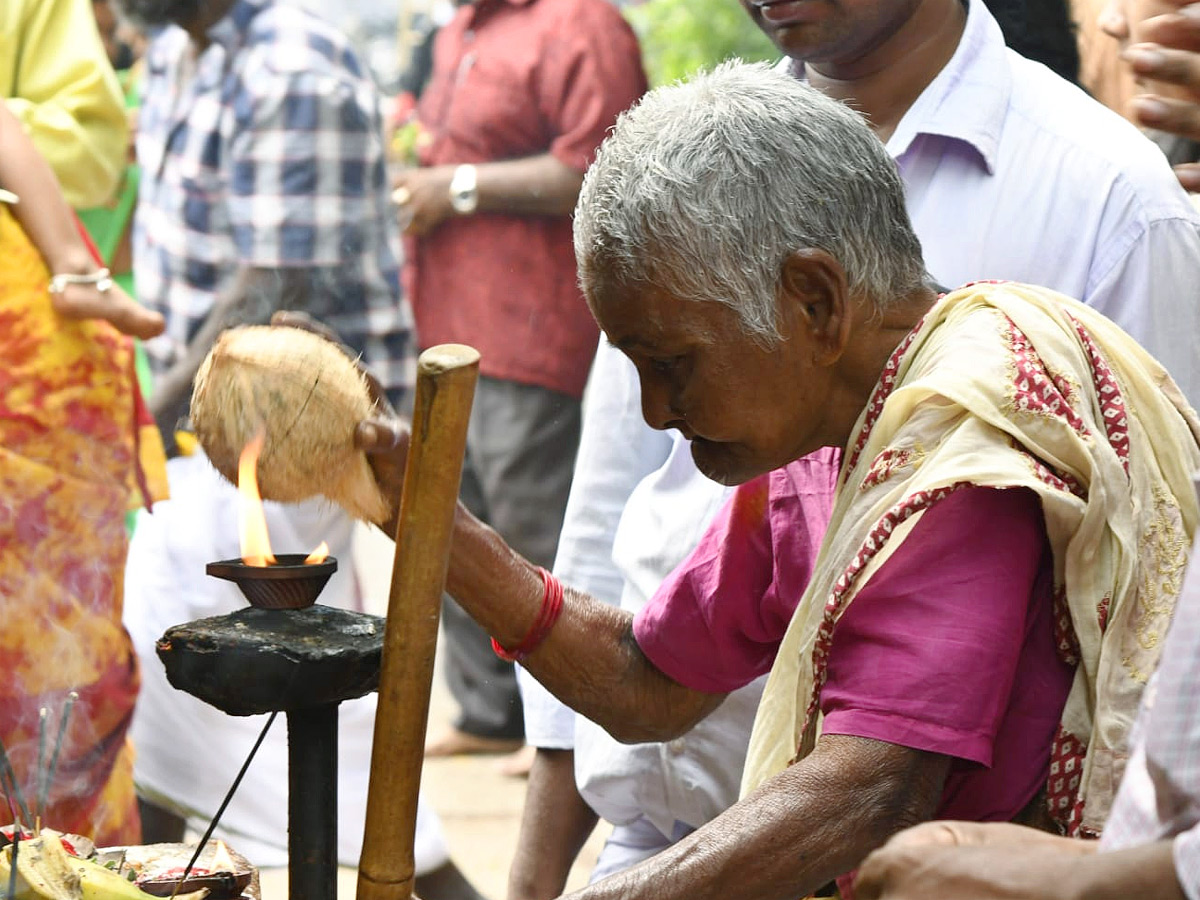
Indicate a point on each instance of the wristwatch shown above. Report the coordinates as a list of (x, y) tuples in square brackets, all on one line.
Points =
[(464, 195)]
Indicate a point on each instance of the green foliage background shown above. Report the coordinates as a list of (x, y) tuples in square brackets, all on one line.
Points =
[(680, 36)]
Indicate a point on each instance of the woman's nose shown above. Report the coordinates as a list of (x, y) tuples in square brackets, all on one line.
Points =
[(656, 406)]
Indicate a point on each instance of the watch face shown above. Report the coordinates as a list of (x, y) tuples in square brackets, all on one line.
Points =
[(464, 196), (464, 202)]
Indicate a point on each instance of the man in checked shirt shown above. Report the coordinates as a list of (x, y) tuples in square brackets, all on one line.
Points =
[(263, 188)]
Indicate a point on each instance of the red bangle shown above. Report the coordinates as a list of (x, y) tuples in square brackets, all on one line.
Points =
[(552, 601)]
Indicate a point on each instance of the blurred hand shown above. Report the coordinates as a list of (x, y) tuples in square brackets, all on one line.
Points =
[(983, 834), (131, 117), (422, 198), (1168, 54), (969, 861), (84, 301), (384, 436)]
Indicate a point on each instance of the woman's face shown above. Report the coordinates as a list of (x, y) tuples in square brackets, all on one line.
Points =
[(1123, 20), (747, 409)]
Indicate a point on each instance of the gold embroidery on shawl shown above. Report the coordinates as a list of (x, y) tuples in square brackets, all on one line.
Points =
[(890, 461), (1163, 552), (1037, 390)]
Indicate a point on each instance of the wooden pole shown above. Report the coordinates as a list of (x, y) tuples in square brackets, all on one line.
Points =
[(446, 377)]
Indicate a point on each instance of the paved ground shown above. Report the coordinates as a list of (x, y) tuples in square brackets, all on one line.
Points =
[(480, 808)]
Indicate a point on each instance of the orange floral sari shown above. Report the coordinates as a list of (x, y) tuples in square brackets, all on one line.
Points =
[(74, 457)]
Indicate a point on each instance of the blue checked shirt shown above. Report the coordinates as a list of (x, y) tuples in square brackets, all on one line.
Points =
[(266, 150)]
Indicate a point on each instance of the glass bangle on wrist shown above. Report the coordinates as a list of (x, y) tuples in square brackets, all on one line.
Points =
[(101, 279)]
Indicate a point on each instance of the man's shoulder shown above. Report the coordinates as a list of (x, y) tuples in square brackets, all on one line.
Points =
[(1085, 142), (165, 45), (287, 41), (581, 15)]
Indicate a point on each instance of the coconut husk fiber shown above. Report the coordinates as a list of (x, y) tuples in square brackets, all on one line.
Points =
[(307, 397)]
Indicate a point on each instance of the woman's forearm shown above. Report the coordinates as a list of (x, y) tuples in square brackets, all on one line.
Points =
[(802, 829), (589, 659), (42, 210)]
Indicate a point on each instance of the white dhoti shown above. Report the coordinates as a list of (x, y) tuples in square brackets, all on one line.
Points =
[(188, 752)]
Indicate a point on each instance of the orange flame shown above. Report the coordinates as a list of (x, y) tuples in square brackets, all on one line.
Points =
[(221, 860), (319, 555), (252, 521)]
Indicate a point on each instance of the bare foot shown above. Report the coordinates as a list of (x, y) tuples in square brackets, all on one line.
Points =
[(518, 764), (453, 742)]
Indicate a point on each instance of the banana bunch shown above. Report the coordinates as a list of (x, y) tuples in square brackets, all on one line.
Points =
[(45, 871)]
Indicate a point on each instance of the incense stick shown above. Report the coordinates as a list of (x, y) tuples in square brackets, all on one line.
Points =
[(63, 718), (12, 861), (8, 800), (40, 773), (224, 803), (7, 769)]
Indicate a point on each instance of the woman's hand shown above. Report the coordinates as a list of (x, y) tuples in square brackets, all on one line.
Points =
[(385, 441), (85, 301)]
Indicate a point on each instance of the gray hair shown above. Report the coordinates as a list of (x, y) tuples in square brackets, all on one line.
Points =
[(705, 186)]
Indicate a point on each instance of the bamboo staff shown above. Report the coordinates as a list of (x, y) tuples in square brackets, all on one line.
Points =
[(446, 377)]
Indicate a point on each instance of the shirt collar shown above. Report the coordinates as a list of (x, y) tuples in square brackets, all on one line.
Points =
[(230, 30), (479, 7), (968, 100)]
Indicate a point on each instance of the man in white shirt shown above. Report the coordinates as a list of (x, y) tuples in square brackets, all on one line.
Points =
[(1011, 173)]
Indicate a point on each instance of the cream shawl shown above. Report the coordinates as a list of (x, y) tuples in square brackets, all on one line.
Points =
[(1007, 385)]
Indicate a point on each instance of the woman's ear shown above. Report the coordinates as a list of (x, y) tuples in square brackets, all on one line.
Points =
[(815, 301)]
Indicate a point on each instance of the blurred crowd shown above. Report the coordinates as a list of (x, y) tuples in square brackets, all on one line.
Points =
[(173, 168)]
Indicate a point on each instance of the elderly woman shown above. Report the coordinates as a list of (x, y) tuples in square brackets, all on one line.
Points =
[(959, 527)]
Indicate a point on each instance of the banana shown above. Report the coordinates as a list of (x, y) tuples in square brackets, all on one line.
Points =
[(45, 871)]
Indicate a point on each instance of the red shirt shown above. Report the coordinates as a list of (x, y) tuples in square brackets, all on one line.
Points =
[(511, 79)]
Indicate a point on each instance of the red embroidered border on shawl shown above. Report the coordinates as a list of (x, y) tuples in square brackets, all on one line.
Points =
[(1112, 404), (1060, 481), (888, 461), (837, 599), (887, 381), (1037, 389), (1065, 639), (1062, 787)]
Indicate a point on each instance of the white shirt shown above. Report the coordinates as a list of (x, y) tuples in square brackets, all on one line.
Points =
[(1011, 173), (637, 507)]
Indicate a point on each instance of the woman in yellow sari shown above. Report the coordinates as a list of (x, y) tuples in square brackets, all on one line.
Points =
[(74, 456)]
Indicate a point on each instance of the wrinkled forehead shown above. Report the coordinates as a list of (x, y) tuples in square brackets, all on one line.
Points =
[(651, 320)]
